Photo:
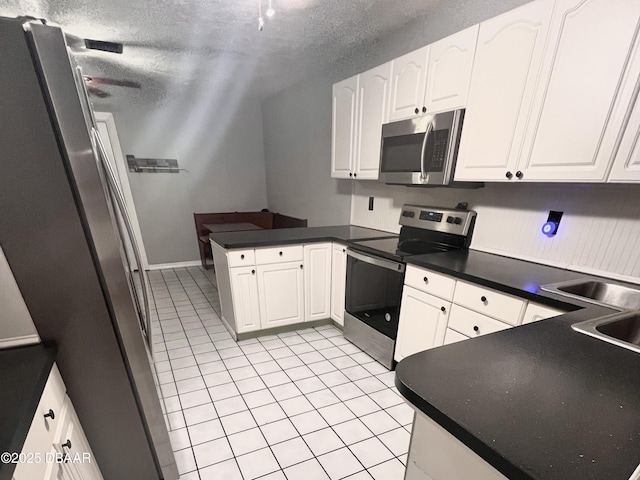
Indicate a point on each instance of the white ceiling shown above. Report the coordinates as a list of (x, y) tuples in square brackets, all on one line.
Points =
[(170, 44)]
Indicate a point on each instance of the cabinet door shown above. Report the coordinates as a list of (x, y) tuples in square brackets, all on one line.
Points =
[(507, 60), (373, 104), (343, 125), (338, 280), (423, 322), (453, 337), (246, 306), (280, 290), (536, 312), (576, 119), (449, 72), (408, 81), (626, 167), (317, 281)]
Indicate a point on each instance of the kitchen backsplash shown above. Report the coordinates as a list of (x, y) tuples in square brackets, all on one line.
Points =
[(599, 232)]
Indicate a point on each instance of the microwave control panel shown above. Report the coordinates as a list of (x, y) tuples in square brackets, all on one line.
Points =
[(439, 152)]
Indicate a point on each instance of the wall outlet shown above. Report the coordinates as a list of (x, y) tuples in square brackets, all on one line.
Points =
[(370, 203)]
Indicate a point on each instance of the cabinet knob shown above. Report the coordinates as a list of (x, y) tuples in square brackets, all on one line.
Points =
[(475, 328), (444, 310), (483, 299), (426, 279), (67, 444), (417, 110), (509, 175), (344, 250), (300, 266), (242, 257), (253, 272), (351, 174), (519, 174), (50, 415), (355, 175), (280, 253), (424, 109)]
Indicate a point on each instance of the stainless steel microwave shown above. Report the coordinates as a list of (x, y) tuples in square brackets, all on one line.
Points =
[(421, 151)]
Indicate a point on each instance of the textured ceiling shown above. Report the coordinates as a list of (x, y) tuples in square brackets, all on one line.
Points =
[(172, 44)]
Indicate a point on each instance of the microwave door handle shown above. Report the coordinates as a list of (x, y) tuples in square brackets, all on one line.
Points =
[(423, 168)]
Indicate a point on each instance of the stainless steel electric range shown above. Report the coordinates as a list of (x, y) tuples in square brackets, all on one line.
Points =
[(375, 273)]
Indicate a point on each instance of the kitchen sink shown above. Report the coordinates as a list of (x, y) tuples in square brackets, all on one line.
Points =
[(621, 329), (609, 294)]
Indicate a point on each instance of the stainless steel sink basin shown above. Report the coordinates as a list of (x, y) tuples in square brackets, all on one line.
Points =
[(622, 329), (609, 294)]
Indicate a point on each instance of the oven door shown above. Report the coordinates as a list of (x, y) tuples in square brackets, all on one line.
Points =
[(372, 304)]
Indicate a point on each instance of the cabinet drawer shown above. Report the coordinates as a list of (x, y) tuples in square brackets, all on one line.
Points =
[(536, 312), (483, 300), (241, 258), (430, 282), (451, 336), (293, 253), (473, 324)]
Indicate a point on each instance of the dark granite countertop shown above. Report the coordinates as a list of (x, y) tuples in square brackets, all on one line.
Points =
[(23, 375), (540, 401), (284, 236)]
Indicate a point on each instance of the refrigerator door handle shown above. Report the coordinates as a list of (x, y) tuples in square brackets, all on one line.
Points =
[(119, 200)]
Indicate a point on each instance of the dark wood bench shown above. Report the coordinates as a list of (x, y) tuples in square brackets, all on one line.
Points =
[(264, 220)]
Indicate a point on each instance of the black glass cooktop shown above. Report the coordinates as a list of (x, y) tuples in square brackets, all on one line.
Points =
[(396, 249)]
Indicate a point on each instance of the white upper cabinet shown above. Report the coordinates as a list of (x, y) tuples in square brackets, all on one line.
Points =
[(626, 167), (343, 127), (317, 281), (449, 72), (408, 82), (507, 59), (576, 116), (373, 111)]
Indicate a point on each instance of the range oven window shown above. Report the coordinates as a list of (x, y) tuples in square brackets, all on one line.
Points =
[(373, 293)]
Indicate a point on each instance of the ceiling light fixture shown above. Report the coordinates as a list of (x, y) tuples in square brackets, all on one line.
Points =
[(260, 19), (270, 11)]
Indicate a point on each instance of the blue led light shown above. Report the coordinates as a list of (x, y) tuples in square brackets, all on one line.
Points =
[(550, 229)]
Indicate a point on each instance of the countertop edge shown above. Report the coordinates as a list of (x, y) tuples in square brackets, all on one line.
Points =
[(493, 458)]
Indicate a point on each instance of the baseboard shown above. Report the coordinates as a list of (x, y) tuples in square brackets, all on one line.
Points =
[(162, 266), (19, 341)]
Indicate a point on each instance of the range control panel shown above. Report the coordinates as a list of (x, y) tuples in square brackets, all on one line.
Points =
[(439, 219)]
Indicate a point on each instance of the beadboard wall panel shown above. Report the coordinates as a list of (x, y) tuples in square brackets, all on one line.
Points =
[(599, 232)]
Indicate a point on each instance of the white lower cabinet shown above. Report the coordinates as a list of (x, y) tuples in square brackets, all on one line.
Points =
[(56, 443), (338, 281), (423, 322), (536, 312), (452, 337), (317, 281), (244, 287), (435, 454), (281, 294), (455, 310)]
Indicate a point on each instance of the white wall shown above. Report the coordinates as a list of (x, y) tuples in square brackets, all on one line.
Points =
[(297, 146), (218, 139), (599, 231)]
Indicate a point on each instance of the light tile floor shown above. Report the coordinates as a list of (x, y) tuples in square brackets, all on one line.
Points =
[(299, 405)]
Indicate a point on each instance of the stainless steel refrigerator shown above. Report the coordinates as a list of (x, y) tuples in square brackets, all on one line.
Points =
[(62, 228)]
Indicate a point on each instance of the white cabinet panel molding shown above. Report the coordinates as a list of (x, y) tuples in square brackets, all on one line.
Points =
[(408, 82)]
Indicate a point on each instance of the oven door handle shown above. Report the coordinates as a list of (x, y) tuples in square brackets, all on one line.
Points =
[(423, 168), (377, 261)]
